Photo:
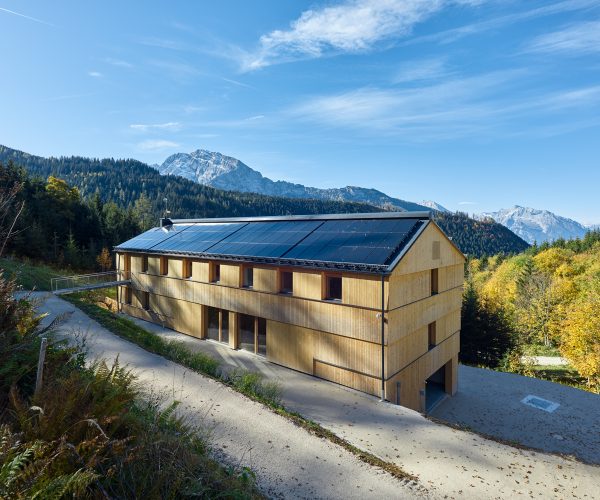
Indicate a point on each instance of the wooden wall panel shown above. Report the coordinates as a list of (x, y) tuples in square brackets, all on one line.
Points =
[(291, 346), (412, 378), (153, 265), (175, 268), (420, 255), (344, 352), (402, 352), (451, 277), (265, 280), (409, 318), (348, 378), (448, 325), (363, 291), (230, 275), (200, 271), (308, 285), (407, 288)]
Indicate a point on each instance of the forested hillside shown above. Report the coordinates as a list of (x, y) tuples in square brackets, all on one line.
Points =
[(139, 190), (546, 299)]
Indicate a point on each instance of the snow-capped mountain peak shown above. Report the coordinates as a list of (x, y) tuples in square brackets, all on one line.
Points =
[(535, 225), (434, 206)]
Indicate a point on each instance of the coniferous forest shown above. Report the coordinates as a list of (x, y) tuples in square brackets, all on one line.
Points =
[(131, 196)]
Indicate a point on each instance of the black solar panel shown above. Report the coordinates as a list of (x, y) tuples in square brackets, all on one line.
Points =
[(148, 239), (265, 239), (354, 241), (198, 237)]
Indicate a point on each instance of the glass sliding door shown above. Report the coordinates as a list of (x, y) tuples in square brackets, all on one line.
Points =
[(262, 337), (224, 326), (212, 324), (247, 332)]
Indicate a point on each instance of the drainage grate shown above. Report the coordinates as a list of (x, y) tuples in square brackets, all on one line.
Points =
[(540, 403)]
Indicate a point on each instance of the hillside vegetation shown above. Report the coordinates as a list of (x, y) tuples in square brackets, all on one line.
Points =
[(545, 300), (139, 191)]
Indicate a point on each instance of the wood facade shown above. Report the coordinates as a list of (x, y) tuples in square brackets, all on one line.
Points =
[(338, 340)]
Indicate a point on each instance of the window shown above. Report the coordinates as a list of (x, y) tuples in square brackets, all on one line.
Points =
[(215, 272), (248, 277), (431, 333), (146, 301), (286, 282), (434, 281), (262, 337), (217, 325), (128, 295), (333, 288), (144, 263), (187, 268), (164, 266), (247, 340)]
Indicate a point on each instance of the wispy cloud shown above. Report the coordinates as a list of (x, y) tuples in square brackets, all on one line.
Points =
[(157, 145), (580, 38), (236, 82), (34, 19), (146, 127), (118, 62), (468, 203), (353, 26), (418, 71), (95, 74), (451, 35), (458, 107)]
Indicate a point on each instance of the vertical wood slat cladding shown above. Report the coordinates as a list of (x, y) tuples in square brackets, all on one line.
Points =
[(363, 291), (265, 280), (230, 275), (308, 285), (407, 288), (290, 345), (347, 378), (412, 378)]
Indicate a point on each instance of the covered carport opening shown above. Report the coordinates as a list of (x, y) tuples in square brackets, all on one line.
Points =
[(435, 389)]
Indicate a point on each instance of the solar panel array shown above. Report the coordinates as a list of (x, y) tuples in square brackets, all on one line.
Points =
[(340, 241)]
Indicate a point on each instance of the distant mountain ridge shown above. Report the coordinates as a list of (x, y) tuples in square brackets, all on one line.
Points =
[(225, 172), (124, 182), (534, 225)]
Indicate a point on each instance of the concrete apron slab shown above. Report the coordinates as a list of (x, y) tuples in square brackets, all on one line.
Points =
[(449, 462)]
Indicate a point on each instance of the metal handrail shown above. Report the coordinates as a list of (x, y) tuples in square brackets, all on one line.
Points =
[(57, 284)]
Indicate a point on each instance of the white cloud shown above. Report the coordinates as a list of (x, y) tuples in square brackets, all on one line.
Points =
[(468, 203), (353, 26), (479, 105), (415, 71), (157, 145), (146, 127), (579, 38), (118, 62), (95, 74)]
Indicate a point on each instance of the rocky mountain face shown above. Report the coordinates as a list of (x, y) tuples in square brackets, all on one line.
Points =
[(535, 225), (435, 206), (227, 173)]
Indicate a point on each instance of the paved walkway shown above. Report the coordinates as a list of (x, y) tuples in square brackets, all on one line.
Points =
[(449, 462)]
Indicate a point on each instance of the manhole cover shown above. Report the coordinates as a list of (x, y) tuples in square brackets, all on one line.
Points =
[(540, 403)]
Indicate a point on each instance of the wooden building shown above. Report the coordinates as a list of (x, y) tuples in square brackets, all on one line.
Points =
[(369, 301)]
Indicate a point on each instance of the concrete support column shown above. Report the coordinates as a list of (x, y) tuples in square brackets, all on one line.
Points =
[(451, 375)]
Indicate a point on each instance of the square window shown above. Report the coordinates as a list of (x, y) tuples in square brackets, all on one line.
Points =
[(286, 282), (334, 288), (248, 277)]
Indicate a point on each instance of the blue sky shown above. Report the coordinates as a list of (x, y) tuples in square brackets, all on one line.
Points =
[(478, 105)]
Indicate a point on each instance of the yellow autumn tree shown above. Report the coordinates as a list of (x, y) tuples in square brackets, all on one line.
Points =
[(104, 260), (581, 336)]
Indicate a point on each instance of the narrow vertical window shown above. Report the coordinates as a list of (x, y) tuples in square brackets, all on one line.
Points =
[(431, 333), (215, 273), (144, 263), (434, 281), (248, 277), (128, 295), (164, 266), (146, 301), (286, 282), (187, 268)]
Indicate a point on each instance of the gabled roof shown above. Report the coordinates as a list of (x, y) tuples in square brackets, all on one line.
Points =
[(366, 243)]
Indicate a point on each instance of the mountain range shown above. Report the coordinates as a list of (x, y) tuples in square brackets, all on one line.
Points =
[(131, 184), (228, 173), (534, 225), (225, 172)]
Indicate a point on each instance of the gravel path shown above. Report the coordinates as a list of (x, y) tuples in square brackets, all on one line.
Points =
[(288, 461), (450, 463)]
